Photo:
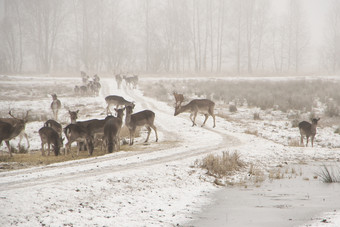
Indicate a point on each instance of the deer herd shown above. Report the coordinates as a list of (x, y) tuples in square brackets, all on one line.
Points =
[(107, 130)]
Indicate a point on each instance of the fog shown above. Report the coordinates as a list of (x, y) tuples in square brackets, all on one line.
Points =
[(237, 37)]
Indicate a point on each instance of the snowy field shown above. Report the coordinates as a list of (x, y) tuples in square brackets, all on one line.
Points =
[(156, 184)]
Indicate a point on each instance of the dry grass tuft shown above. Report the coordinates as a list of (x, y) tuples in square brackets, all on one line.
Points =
[(220, 166)]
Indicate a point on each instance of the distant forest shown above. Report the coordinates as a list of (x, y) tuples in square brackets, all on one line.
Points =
[(163, 36)]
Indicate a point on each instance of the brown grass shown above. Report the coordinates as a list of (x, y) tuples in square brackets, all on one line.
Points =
[(220, 166)]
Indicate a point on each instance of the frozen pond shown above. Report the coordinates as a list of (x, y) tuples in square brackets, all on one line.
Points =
[(284, 202)]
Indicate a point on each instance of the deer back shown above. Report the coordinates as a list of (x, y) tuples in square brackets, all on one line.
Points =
[(55, 125), (141, 118)]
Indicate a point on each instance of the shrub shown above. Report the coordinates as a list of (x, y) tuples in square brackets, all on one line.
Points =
[(224, 165), (257, 116), (329, 176), (332, 110), (232, 108)]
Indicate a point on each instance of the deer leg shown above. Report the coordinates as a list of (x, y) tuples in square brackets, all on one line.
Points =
[(194, 121), (205, 120), (307, 141), (312, 141), (9, 147), (213, 116), (42, 149), (108, 109), (48, 149), (132, 135), (155, 129), (28, 143), (149, 132)]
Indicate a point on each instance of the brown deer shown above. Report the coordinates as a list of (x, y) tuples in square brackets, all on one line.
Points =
[(204, 106), (309, 130), (117, 101), (179, 98), (55, 125), (78, 133), (55, 106), (9, 131), (119, 80), (112, 129), (73, 116), (13, 121), (145, 117), (50, 136)]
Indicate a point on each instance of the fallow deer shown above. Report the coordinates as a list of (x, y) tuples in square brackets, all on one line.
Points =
[(50, 136), (309, 130), (118, 80), (117, 101), (204, 106), (78, 133), (179, 98), (112, 129), (145, 117), (55, 125), (55, 106), (9, 131), (22, 134)]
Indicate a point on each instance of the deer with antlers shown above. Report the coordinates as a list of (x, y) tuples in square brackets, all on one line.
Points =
[(9, 131), (204, 106), (179, 98)]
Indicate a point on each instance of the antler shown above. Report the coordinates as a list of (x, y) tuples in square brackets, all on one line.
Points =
[(10, 113)]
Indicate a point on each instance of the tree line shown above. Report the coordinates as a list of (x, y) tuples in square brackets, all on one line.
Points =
[(153, 36)]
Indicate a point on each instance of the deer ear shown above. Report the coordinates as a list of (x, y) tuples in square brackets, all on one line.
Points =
[(77, 111)]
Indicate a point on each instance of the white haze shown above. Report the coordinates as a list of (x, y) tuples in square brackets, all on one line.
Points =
[(247, 36)]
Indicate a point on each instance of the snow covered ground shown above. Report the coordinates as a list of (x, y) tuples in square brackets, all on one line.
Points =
[(157, 183)]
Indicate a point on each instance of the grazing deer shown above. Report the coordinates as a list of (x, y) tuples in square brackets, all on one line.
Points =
[(78, 133), (118, 101), (204, 106), (145, 117), (112, 129), (118, 80), (309, 130), (9, 131), (50, 136), (55, 106), (179, 98), (13, 121), (55, 125), (95, 129)]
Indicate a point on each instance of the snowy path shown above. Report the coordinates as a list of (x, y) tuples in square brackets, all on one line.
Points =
[(179, 145)]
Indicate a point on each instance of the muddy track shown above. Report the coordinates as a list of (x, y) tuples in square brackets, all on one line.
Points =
[(133, 160)]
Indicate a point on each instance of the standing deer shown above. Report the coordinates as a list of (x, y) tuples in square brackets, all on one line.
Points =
[(55, 106), (145, 117), (50, 136), (309, 130), (112, 129), (77, 132), (9, 131), (179, 98), (73, 116), (13, 121), (117, 101), (204, 106), (118, 80)]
